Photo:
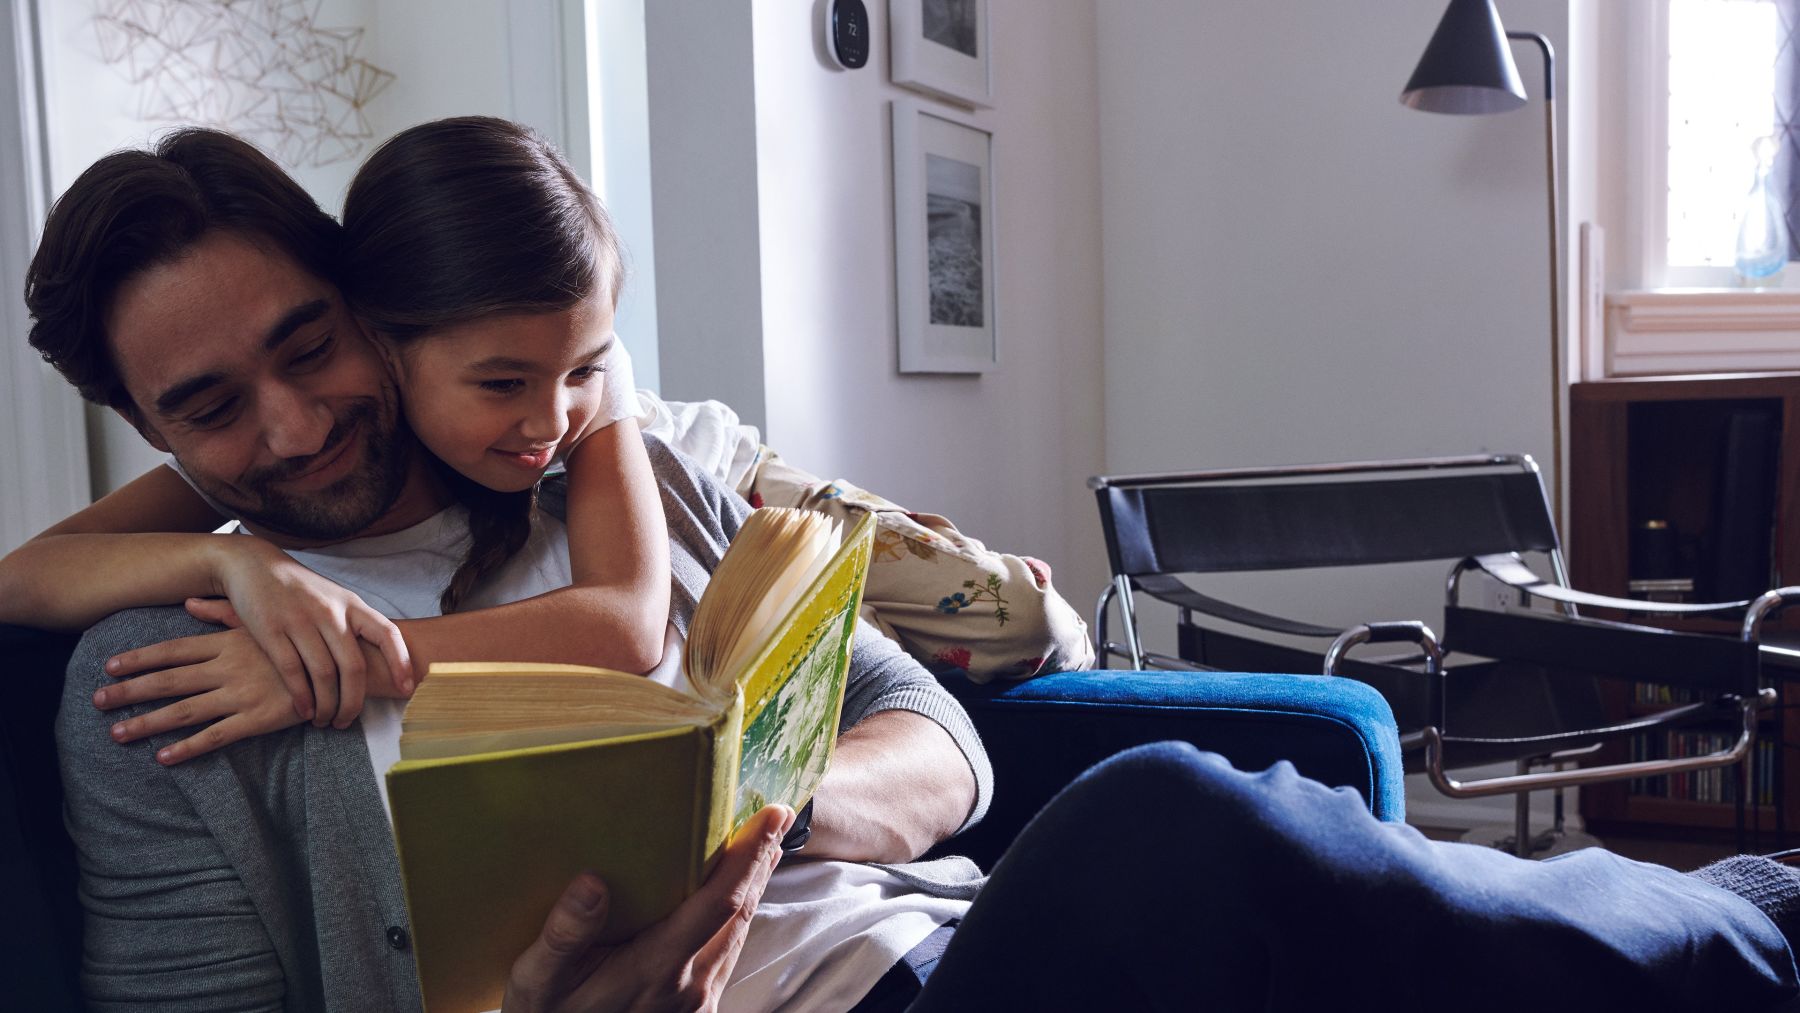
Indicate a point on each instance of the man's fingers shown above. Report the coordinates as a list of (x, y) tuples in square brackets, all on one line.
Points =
[(556, 961), (711, 922)]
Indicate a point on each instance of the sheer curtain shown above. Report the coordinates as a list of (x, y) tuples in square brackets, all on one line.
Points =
[(43, 438)]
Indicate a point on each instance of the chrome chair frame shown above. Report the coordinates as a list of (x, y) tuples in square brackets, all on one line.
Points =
[(1507, 568)]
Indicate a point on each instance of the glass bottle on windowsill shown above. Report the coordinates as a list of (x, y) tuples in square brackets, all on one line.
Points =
[(1762, 239)]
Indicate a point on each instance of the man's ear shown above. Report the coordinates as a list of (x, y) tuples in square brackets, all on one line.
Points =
[(135, 419)]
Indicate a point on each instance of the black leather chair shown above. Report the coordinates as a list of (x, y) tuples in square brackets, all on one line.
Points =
[(1521, 683)]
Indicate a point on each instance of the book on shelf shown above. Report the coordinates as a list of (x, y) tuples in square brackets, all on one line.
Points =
[(515, 777), (1720, 785)]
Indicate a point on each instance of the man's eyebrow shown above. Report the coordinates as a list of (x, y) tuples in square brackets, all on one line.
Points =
[(169, 400), (292, 321), (176, 396)]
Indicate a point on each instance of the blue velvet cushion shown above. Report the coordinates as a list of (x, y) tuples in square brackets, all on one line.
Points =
[(1042, 732)]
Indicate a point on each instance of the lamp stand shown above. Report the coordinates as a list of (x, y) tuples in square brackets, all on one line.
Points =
[(1556, 353)]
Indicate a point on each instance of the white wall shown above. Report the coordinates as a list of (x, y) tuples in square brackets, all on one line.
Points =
[(702, 126), (619, 127), (448, 58), (1298, 268), (1004, 454)]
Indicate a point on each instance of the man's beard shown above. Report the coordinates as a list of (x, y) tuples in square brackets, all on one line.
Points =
[(345, 507)]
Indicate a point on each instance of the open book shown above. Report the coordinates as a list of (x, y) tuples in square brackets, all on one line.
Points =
[(515, 777)]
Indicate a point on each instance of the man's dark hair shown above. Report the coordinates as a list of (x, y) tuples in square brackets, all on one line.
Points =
[(135, 210)]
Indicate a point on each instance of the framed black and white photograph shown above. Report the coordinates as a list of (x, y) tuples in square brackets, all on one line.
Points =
[(943, 242), (941, 47)]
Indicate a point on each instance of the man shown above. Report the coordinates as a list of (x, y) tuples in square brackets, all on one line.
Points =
[(267, 874)]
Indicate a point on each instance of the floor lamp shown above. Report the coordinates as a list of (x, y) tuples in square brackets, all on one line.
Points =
[(1468, 68)]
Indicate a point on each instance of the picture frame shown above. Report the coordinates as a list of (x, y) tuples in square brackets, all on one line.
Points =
[(943, 241), (942, 48)]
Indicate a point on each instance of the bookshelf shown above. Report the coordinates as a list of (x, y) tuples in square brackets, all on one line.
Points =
[(1687, 479)]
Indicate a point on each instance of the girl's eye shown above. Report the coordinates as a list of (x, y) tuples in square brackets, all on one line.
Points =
[(585, 372), (501, 386)]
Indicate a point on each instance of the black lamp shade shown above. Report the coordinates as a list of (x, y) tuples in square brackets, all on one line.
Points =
[(1468, 66)]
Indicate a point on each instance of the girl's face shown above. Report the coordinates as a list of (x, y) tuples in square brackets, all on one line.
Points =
[(498, 397)]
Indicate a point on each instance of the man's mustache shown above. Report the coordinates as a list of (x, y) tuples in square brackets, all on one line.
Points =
[(353, 416)]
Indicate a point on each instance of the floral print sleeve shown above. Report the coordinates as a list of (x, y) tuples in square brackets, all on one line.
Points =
[(945, 597)]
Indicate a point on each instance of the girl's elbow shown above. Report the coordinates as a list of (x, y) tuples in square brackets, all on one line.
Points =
[(645, 649)]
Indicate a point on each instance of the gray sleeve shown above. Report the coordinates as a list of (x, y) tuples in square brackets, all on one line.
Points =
[(168, 922), (883, 677)]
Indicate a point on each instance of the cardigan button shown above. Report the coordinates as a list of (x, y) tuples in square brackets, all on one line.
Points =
[(397, 937)]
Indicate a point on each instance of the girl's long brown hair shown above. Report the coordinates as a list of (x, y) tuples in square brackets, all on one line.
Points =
[(458, 219)]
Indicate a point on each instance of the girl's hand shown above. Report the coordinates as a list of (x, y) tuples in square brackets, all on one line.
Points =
[(308, 627), (224, 678)]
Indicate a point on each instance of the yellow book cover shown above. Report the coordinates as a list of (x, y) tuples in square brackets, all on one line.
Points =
[(514, 777)]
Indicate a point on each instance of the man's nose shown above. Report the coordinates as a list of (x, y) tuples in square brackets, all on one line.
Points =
[(295, 424)]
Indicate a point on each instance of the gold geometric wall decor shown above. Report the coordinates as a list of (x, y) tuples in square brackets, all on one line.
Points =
[(263, 69)]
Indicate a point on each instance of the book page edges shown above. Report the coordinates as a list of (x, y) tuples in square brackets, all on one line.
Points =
[(763, 676), (405, 765)]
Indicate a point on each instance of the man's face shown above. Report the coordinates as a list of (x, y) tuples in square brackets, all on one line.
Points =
[(254, 375)]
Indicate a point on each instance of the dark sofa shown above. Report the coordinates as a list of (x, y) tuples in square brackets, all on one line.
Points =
[(1039, 734)]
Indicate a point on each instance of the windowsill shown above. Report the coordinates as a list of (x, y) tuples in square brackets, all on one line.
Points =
[(1677, 331)]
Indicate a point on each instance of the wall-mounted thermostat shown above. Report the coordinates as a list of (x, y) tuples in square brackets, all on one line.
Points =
[(847, 32)]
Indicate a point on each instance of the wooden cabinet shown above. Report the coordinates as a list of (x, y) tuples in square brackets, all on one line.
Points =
[(1706, 465)]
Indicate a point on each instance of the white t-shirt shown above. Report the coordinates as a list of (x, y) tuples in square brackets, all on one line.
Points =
[(824, 933)]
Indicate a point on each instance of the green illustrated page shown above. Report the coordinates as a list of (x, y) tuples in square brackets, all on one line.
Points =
[(794, 696)]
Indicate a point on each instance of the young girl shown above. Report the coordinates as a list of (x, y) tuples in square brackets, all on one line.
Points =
[(410, 243), (498, 382)]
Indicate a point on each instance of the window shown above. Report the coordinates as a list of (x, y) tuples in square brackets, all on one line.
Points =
[(1705, 82), (1724, 59), (1688, 89)]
